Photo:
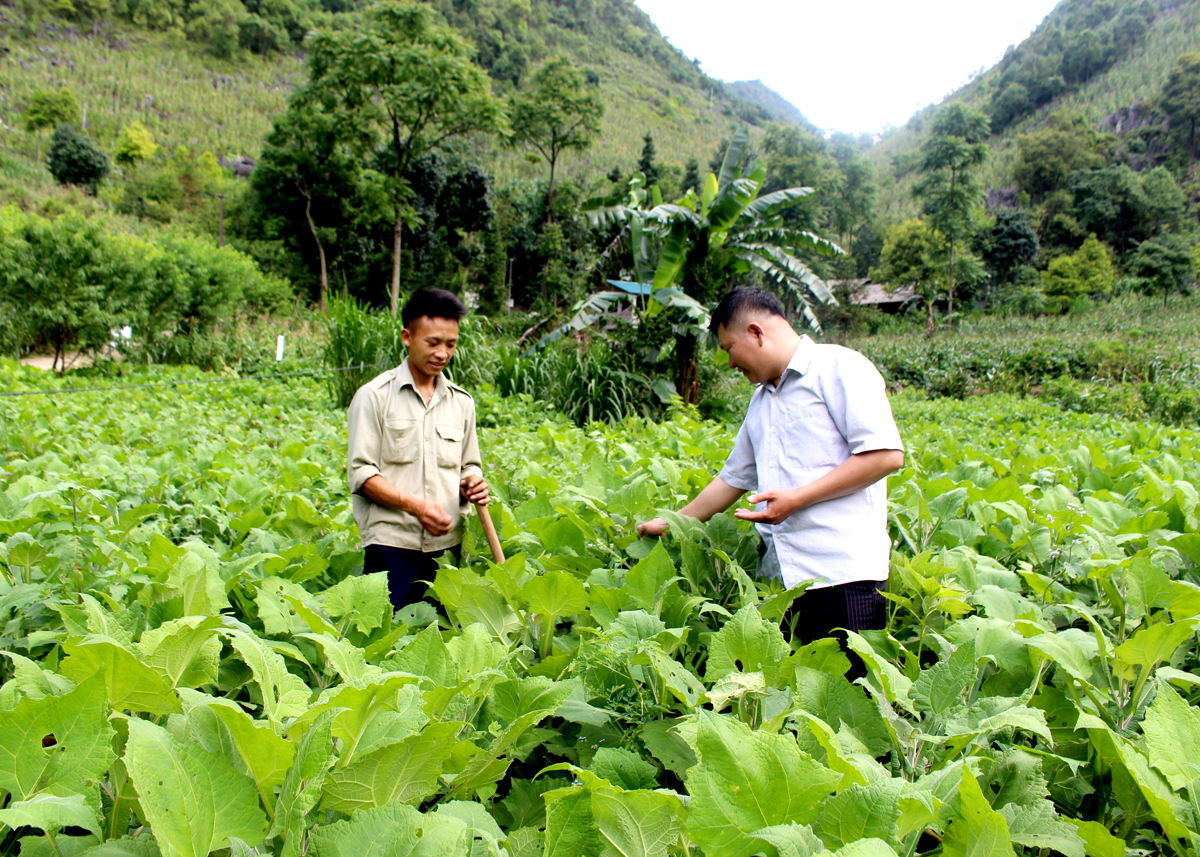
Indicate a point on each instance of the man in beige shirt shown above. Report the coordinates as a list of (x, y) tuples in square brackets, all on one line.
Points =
[(413, 462)]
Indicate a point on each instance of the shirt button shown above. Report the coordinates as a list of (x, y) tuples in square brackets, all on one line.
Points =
[(428, 490)]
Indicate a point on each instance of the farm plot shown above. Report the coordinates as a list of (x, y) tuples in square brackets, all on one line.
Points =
[(192, 663)]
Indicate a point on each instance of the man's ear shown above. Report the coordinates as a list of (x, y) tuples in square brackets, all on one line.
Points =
[(756, 331), (406, 336)]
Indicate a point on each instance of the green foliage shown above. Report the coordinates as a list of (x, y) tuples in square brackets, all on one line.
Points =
[(1180, 99), (556, 113), (912, 256), (69, 283), (323, 725), (134, 145), (74, 159), (950, 187), (356, 336), (1047, 158), (1088, 271), (49, 109), (1163, 264), (1078, 41), (405, 82)]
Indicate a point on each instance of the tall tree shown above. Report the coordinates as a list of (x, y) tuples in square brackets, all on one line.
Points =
[(556, 113), (950, 185), (646, 161), (404, 77), (308, 166), (912, 255), (1180, 99)]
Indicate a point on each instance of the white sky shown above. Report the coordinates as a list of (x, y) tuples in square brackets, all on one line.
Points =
[(854, 65)]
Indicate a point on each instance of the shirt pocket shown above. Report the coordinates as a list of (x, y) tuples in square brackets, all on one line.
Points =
[(399, 441), (816, 439), (449, 445)]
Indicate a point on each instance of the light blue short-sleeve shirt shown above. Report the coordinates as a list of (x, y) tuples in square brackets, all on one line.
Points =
[(830, 403)]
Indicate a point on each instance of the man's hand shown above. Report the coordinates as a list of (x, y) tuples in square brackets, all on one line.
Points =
[(780, 506), (433, 518), (652, 528), (475, 490)]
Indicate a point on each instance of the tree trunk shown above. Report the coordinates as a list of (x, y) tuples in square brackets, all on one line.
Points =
[(394, 301), (687, 380), (550, 195), (320, 252)]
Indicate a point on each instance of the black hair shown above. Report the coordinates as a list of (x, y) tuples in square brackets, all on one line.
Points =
[(743, 300), (435, 303)]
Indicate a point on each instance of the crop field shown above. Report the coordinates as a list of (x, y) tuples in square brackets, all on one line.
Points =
[(192, 662)]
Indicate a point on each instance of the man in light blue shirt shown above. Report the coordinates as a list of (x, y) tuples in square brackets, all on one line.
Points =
[(816, 445)]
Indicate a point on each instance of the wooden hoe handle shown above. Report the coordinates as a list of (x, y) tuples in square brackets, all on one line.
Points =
[(489, 530)]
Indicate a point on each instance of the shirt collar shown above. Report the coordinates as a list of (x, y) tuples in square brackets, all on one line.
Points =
[(801, 360), (404, 378)]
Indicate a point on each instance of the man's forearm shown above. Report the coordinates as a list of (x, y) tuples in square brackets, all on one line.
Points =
[(379, 490), (716, 497), (852, 475)]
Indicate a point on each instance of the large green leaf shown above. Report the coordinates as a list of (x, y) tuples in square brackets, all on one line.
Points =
[(648, 580), (747, 780), (636, 823), (261, 753), (186, 652), (301, 789), (861, 812), (404, 772), (791, 840), (283, 695), (132, 686), (746, 643), (56, 744), (361, 600), (1038, 826), (978, 830), (193, 800), (1172, 730), (1150, 646), (394, 830), (367, 717), (51, 813), (556, 593), (570, 824), (939, 688)]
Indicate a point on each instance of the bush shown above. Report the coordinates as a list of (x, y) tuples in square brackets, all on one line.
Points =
[(67, 283), (74, 159), (1172, 403), (1087, 271)]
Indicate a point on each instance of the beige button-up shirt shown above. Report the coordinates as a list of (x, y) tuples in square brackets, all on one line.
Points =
[(425, 450)]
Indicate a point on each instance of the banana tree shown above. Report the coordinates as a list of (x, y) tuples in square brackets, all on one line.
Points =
[(692, 250)]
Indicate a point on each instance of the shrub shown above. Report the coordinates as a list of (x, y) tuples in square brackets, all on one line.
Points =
[(74, 159), (1087, 271)]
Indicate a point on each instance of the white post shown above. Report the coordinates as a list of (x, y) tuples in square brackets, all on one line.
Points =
[(279, 348)]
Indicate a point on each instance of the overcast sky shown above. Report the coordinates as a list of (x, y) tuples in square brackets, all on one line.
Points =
[(855, 65)]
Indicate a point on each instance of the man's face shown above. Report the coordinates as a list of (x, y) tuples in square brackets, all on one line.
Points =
[(744, 345), (431, 343)]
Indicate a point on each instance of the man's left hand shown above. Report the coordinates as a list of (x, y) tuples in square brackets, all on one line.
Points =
[(780, 506), (475, 490)]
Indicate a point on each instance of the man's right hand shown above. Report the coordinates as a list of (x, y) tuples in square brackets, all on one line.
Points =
[(433, 518), (652, 528)]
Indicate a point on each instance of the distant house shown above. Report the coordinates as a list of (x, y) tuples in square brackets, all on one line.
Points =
[(865, 293)]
